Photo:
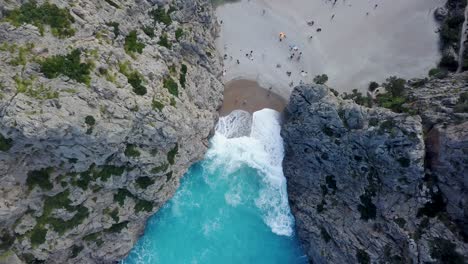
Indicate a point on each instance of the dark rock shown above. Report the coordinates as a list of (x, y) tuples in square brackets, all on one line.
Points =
[(357, 183)]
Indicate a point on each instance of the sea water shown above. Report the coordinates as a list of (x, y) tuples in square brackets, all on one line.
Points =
[(231, 207)]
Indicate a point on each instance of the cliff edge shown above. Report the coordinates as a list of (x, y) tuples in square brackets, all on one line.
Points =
[(103, 107), (367, 185)]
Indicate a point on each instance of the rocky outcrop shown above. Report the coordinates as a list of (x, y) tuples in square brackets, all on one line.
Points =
[(99, 119), (358, 186), (452, 34), (443, 107)]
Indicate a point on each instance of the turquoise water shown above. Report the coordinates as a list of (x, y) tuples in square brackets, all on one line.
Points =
[(230, 208)]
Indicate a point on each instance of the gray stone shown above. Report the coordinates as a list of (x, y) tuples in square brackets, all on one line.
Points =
[(50, 131), (357, 183)]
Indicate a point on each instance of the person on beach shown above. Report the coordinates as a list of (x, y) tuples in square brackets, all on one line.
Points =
[(238, 62), (282, 36), (333, 16), (299, 56)]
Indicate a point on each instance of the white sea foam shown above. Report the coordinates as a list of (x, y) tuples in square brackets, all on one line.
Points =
[(261, 150)]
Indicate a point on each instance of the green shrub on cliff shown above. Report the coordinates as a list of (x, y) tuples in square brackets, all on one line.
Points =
[(144, 182), (161, 168), (5, 143), (460, 107), (321, 79), (134, 78), (395, 97), (438, 73), (131, 151), (171, 86), (172, 153), (38, 236), (157, 105), (59, 19), (90, 120), (117, 228), (76, 250), (108, 170), (160, 15), (367, 209), (179, 33), (115, 28), (149, 31), (362, 257), (39, 178), (164, 41), (444, 251), (183, 75), (60, 226), (358, 98), (143, 205), (68, 65), (121, 195), (132, 44)]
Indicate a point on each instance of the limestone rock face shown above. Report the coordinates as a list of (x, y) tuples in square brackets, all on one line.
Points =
[(83, 164), (357, 183), (443, 107)]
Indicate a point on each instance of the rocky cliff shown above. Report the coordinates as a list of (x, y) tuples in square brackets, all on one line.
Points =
[(368, 185), (103, 106)]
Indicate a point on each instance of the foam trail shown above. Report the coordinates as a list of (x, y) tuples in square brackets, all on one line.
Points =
[(261, 150), (237, 124)]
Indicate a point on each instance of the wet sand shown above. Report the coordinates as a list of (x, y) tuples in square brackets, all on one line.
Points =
[(361, 43), (249, 96)]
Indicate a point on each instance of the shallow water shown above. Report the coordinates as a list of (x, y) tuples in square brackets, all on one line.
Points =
[(231, 207)]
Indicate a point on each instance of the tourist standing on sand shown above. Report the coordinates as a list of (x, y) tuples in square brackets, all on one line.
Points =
[(282, 36)]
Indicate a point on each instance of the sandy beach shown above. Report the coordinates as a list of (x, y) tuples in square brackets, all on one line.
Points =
[(249, 96), (359, 41)]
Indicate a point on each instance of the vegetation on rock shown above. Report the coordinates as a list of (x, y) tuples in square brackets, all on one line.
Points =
[(59, 19), (462, 104), (172, 153), (149, 31), (144, 182), (157, 105), (362, 257), (179, 33), (115, 27), (68, 65), (132, 44), (171, 86), (321, 79), (39, 178), (134, 78), (5, 143), (160, 15), (183, 75), (164, 41), (131, 151)]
